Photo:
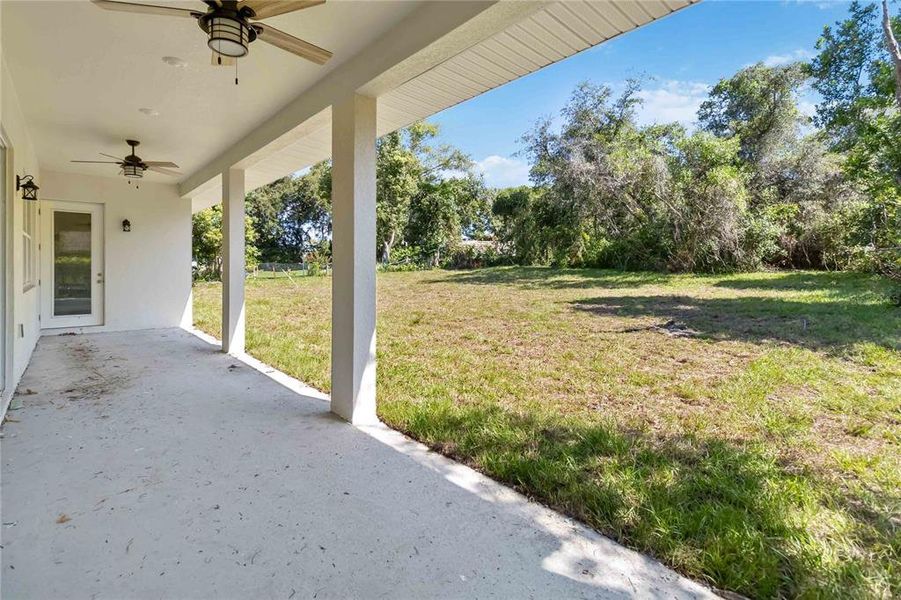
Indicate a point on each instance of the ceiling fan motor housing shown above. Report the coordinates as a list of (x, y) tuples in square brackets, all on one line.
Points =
[(229, 32)]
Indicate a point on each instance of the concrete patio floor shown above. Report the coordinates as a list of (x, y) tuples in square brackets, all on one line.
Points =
[(149, 465)]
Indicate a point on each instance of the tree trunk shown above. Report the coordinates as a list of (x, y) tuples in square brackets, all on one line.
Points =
[(893, 49), (386, 249)]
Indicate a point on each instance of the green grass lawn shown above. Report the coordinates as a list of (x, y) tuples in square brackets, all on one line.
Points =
[(744, 429)]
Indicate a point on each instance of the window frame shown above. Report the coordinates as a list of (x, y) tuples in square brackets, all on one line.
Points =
[(29, 244)]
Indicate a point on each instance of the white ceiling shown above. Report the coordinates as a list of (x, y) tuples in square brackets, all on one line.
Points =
[(82, 73)]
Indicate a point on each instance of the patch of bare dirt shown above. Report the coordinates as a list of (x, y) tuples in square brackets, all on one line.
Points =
[(100, 378), (671, 328)]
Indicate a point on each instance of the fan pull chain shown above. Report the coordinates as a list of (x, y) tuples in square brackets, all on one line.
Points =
[(236, 71)]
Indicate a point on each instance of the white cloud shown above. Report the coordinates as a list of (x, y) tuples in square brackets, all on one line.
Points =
[(500, 171), (672, 101), (821, 4), (775, 60)]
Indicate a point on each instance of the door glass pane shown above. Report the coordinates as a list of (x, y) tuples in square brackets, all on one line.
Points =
[(71, 263)]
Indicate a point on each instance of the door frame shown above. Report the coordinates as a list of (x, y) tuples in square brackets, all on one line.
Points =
[(98, 274)]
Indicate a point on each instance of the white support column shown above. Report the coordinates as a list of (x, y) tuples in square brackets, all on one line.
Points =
[(353, 256), (233, 261)]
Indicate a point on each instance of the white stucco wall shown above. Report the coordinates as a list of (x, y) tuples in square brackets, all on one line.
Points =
[(23, 329), (148, 269)]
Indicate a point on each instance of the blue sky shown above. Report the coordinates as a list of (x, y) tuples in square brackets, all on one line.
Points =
[(683, 55)]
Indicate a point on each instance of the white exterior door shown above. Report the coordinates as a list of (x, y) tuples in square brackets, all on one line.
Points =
[(73, 265)]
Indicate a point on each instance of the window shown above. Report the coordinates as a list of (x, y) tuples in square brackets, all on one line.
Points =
[(29, 243)]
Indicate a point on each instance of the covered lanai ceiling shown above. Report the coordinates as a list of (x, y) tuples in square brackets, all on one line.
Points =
[(83, 74)]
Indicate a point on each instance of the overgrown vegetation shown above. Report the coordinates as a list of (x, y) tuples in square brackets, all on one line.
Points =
[(742, 428), (758, 184)]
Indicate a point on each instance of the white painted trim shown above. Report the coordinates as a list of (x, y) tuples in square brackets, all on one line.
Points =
[(5, 375), (7, 299)]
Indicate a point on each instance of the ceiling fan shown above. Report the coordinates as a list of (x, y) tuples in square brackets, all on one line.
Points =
[(132, 166), (228, 26)]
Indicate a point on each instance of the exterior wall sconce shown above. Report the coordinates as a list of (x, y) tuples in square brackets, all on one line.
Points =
[(126, 225), (28, 187)]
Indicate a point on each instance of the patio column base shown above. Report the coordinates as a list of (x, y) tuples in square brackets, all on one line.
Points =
[(354, 260)]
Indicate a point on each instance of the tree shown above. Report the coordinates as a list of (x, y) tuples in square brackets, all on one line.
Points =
[(852, 75), (434, 221), (602, 180), (473, 206), (710, 203), (206, 242), (845, 71), (857, 73), (308, 207), (758, 105), (515, 227), (398, 171), (413, 174), (894, 50), (292, 215), (795, 182), (407, 164), (746, 189)]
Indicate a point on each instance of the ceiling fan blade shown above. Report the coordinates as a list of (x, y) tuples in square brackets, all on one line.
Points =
[(110, 156), (218, 60), (263, 9), (160, 163), (97, 162), (292, 44), (149, 9), (163, 171)]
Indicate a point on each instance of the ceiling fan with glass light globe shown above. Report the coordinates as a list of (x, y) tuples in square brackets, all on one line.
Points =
[(133, 166), (230, 25)]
